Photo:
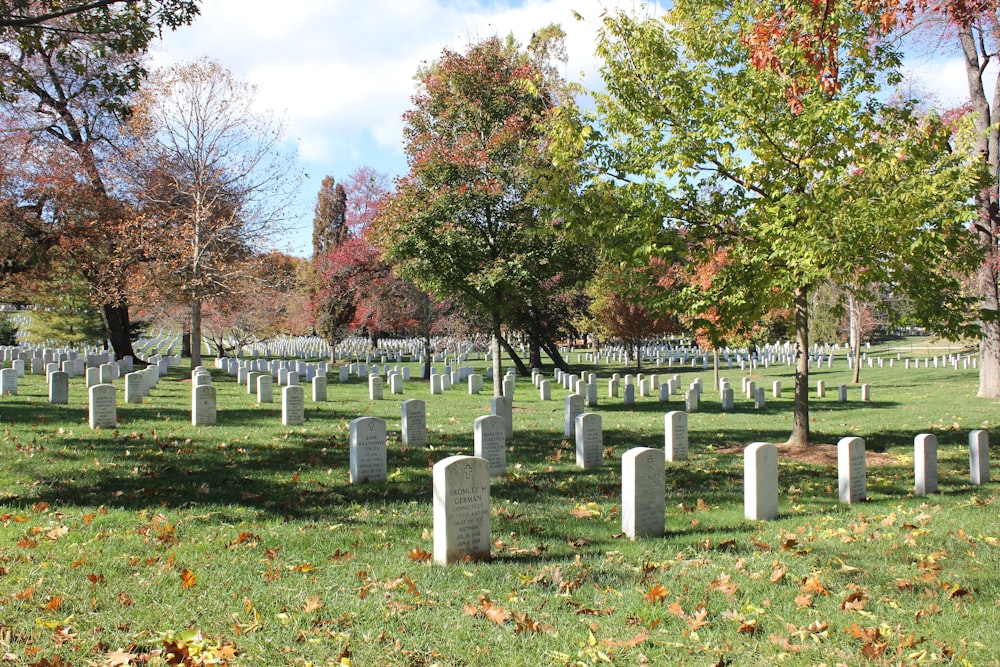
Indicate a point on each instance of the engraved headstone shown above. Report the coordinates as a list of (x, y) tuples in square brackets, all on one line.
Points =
[(760, 481), (319, 389), (545, 390), (265, 388), (375, 388), (461, 510), (8, 382), (502, 407), (490, 444), (293, 405), (675, 428), (368, 450), (643, 492), (414, 422), (203, 409), (925, 464), (851, 470), (589, 441), (572, 408), (103, 411)]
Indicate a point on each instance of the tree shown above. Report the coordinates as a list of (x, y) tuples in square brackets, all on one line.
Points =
[(73, 32), (467, 221), (219, 178), (698, 136), (329, 223)]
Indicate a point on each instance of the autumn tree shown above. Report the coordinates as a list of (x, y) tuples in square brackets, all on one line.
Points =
[(802, 178), (466, 222), (219, 178), (329, 223)]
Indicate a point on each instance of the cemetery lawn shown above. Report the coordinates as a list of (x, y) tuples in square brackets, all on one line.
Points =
[(244, 543)]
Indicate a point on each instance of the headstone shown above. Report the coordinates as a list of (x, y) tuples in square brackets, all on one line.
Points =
[(319, 389), (414, 422), (37, 366), (265, 388), (58, 388), (691, 400), (490, 444), (103, 411), (198, 379), (589, 441), (8, 382), (572, 408), (776, 389), (508, 387), (842, 393), (502, 406), (292, 379), (613, 385), (851, 470), (251, 383), (866, 393), (374, 387), (93, 377), (643, 492), (760, 481), (461, 510), (436, 386), (544, 389), (344, 374), (820, 389), (135, 386), (368, 450), (728, 400), (979, 457), (759, 398), (396, 383), (590, 395), (203, 409), (925, 464), (293, 405), (629, 397), (18, 366), (675, 440)]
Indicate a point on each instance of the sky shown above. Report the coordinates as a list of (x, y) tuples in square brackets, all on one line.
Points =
[(340, 73)]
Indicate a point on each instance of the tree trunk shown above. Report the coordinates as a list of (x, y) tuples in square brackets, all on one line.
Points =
[(521, 368), (988, 225), (195, 332), (552, 349), (854, 334), (800, 421), (715, 369), (185, 344), (116, 323), (534, 352), (495, 350)]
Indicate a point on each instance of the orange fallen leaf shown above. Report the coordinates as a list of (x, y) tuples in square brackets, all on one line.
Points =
[(419, 555), (188, 578), (778, 573), (627, 643), (656, 594), (312, 604), (54, 603), (698, 621), (813, 585)]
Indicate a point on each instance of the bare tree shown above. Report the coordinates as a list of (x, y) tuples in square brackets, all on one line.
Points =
[(222, 177)]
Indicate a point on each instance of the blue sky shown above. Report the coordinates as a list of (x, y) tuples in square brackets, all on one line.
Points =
[(341, 72)]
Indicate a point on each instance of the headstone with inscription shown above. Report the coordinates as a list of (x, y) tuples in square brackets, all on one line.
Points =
[(8, 382), (589, 441), (675, 429), (461, 510), (503, 407), (572, 408), (375, 390), (643, 492), (103, 412), (58, 388), (368, 450), (203, 408), (414, 422), (265, 388), (490, 444), (319, 389), (851, 470), (293, 405), (135, 386)]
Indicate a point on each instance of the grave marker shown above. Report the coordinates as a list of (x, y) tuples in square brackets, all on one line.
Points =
[(851, 470), (103, 411), (572, 408), (293, 405), (979, 457), (265, 388), (925, 464), (203, 408), (58, 388), (490, 444), (461, 510), (503, 407), (643, 493), (675, 439), (319, 387), (589, 441), (135, 386), (414, 422), (760, 481), (368, 450)]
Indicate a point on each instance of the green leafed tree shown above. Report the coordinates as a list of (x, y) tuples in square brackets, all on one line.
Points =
[(466, 222), (800, 179)]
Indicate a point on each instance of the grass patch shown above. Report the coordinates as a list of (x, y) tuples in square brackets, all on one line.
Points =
[(245, 543)]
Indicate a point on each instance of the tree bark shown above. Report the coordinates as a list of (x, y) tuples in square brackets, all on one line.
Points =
[(521, 368), (988, 225), (800, 420), (495, 350), (534, 352), (552, 350), (117, 325), (715, 369), (854, 334), (195, 332)]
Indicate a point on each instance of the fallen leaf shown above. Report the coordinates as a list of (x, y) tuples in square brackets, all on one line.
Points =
[(419, 555), (856, 601), (630, 643), (778, 573), (312, 604), (656, 594), (188, 578)]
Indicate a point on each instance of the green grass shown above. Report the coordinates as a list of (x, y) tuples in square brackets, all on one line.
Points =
[(250, 533)]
